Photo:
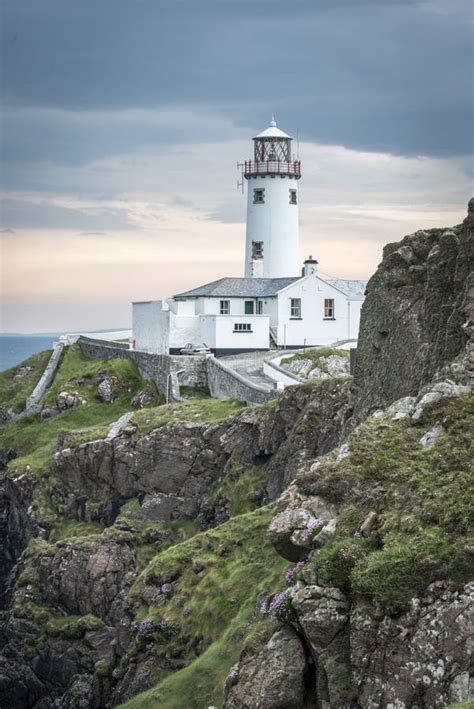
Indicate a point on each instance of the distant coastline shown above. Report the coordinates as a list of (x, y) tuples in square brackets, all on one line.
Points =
[(15, 347)]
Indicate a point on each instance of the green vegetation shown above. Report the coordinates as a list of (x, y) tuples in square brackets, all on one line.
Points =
[(316, 355), (187, 392), (218, 576), (243, 487), (79, 374), (423, 498), (14, 391), (34, 439), (191, 411)]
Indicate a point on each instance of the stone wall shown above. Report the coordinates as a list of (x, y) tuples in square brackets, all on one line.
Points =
[(167, 371), (225, 383), (46, 377)]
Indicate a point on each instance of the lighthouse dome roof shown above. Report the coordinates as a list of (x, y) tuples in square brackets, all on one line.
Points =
[(272, 132)]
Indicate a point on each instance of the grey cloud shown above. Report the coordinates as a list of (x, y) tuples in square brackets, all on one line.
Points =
[(388, 76), (19, 214)]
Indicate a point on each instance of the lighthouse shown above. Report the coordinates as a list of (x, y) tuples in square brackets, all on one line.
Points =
[(272, 239)]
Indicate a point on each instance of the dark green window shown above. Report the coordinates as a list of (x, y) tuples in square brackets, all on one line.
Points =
[(248, 307)]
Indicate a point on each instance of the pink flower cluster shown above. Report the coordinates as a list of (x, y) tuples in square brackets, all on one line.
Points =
[(278, 604), (291, 573), (315, 522), (146, 627)]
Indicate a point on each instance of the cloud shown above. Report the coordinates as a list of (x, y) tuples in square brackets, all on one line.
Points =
[(33, 212), (389, 76)]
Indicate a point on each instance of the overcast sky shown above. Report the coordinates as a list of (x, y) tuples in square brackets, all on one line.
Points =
[(123, 122)]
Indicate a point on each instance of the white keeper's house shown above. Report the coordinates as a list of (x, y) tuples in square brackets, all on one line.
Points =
[(278, 302)]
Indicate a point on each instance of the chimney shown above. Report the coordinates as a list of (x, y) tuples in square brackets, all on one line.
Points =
[(310, 266)]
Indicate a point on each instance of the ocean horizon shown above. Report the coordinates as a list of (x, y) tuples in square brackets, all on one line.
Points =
[(16, 348)]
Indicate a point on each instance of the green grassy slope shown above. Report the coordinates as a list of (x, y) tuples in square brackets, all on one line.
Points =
[(14, 391)]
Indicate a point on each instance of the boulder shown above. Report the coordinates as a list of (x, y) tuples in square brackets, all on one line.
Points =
[(304, 523), (142, 399), (68, 400), (274, 679), (108, 388)]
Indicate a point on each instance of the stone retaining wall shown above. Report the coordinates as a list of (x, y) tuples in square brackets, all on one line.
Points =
[(46, 377), (225, 383), (167, 371)]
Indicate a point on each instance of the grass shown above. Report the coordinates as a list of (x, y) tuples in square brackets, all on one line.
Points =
[(316, 355), (34, 439), (75, 367), (14, 392), (243, 487), (423, 498), (187, 392), (219, 575), (190, 411)]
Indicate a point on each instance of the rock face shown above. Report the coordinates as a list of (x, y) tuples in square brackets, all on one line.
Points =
[(172, 467), (412, 319), (274, 680)]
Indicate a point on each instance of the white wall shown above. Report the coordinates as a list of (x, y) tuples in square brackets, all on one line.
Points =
[(183, 329), (218, 332), (275, 222), (313, 328), (150, 326)]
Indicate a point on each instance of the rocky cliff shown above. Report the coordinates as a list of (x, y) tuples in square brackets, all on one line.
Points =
[(312, 552), (416, 306)]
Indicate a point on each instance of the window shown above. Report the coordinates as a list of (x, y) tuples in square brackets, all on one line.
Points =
[(329, 308), (224, 307), (259, 307), (242, 327), (259, 195), (257, 250), (295, 307), (248, 308), (293, 199)]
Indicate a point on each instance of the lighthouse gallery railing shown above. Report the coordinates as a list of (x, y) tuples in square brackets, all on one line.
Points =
[(272, 167)]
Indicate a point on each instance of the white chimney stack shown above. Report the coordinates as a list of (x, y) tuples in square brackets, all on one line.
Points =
[(310, 266)]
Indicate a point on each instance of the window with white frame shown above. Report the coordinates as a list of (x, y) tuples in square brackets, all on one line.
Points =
[(259, 195), (329, 311), (295, 307), (224, 307), (242, 327), (293, 198)]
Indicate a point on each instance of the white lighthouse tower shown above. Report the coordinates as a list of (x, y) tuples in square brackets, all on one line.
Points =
[(272, 239)]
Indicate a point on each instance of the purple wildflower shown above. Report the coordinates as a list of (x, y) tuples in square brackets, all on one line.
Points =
[(113, 642), (315, 522), (278, 605), (166, 588), (291, 573), (233, 674), (146, 627)]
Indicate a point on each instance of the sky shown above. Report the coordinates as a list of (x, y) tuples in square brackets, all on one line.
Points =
[(123, 122)]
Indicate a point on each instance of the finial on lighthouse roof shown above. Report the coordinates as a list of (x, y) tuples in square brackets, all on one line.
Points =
[(273, 122)]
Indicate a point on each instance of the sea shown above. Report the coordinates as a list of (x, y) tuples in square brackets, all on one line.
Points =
[(15, 348)]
